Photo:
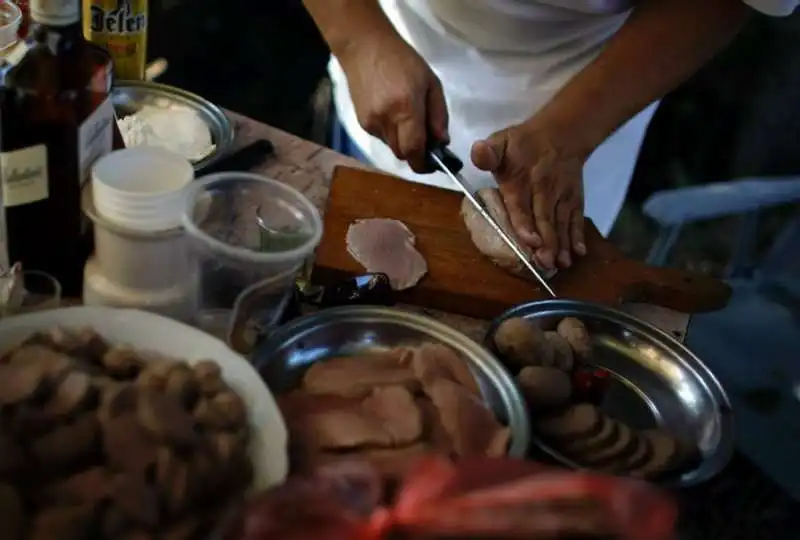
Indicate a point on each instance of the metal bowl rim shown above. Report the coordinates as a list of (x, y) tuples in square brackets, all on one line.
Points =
[(474, 352), (578, 308), (226, 139)]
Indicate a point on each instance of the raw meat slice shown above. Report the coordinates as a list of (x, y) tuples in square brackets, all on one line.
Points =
[(387, 246), (487, 241)]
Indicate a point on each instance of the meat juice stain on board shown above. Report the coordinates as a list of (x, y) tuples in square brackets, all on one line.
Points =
[(57, 120)]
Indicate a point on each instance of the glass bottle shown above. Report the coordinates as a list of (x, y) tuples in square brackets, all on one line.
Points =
[(57, 119)]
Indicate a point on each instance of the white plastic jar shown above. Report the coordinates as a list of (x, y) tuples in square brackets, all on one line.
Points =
[(135, 200)]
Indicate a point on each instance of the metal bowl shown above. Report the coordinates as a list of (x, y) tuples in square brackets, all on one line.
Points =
[(130, 96), (656, 381), (289, 351)]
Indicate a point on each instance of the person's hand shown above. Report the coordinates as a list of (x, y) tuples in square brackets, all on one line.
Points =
[(541, 180), (397, 97)]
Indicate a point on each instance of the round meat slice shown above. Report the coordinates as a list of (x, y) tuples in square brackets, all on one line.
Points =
[(638, 458), (579, 448), (620, 448), (544, 388), (664, 458), (582, 420)]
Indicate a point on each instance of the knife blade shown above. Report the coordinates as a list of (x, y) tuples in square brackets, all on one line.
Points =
[(447, 162)]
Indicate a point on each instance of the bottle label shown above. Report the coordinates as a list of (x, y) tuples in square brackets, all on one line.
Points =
[(120, 27), (56, 12), (24, 175), (95, 138)]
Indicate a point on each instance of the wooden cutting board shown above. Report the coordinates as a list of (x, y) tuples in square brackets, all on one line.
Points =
[(460, 280)]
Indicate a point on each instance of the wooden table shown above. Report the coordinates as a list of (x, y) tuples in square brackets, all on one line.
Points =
[(309, 167)]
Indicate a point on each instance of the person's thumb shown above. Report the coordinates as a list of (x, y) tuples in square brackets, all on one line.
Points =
[(489, 154)]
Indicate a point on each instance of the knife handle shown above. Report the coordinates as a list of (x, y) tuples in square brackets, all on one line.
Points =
[(441, 151)]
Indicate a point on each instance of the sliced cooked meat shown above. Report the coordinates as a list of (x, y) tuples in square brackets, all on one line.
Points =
[(578, 421), (544, 388), (389, 462), (619, 448), (433, 429), (388, 417), (664, 458), (357, 376), (638, 458), (471, 425), (580, 447), (486, 240), (387, 246), (432, 360)]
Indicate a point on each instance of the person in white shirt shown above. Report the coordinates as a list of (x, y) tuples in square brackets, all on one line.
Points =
[(549, 98)]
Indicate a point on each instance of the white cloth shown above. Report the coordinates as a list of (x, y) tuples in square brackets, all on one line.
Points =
[(501, 60)]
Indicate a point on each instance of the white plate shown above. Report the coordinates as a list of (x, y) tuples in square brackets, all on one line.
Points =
[(151, 332)]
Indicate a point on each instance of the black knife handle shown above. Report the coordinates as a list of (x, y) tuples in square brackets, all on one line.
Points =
[(243, 159), (449, 159)]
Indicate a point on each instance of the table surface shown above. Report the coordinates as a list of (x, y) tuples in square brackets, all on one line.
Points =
[(309, 167), (739, 504)]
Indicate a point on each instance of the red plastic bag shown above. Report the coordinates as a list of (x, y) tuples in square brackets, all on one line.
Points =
[(476, 498)]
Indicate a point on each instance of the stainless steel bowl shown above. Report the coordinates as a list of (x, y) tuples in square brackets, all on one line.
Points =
[(656, 381), (289, 351), (130, 96)]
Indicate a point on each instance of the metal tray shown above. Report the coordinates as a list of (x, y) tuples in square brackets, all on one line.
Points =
[(656, 381), (290, 350), (130, 96)]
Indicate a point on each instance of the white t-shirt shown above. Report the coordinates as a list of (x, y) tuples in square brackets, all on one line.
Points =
[(501, 60)]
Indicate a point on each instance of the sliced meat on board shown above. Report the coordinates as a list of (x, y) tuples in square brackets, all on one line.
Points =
[(387, 246), (486, 239)]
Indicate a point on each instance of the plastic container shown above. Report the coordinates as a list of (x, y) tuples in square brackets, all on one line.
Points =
[(248, 236), (10, 21), (140, 259), (141, 188)]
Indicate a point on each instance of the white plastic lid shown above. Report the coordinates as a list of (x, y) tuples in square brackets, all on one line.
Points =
[(141, 188)]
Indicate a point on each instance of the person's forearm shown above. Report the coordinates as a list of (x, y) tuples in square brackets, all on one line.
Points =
[(349, 23), (661, 45)]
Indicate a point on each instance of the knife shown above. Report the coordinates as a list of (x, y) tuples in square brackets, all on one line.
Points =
[(244, 158), (447, 162)]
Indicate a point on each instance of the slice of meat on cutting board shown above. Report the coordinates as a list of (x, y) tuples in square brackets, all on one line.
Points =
[(434, 360), (387, 418), (472, 427), (387, 246), (357, 376), (486, 239)]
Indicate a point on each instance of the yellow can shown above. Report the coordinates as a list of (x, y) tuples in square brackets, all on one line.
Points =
[(120, 27)]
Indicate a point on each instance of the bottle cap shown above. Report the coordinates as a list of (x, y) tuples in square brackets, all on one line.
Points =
[(141, 188)]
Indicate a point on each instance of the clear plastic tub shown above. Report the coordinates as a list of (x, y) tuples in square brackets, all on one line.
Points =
[(248, 236)]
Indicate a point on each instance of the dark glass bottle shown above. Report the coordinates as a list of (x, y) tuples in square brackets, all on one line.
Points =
[(57, 119)]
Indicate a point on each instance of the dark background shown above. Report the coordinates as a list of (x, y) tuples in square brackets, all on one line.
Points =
[(738, 117)]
